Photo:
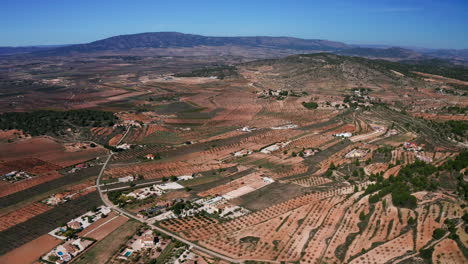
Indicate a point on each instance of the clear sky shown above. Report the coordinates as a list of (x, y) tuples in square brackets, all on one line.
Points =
[(424, 23)]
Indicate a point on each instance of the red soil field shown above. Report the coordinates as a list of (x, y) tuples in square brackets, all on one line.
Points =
[(21, 215), (31, 251), (47, 150), (31, 165), (447, 252), (11, 134), (114, 140), (22, 185)]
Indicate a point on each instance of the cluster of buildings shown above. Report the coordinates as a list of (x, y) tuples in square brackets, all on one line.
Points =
[(211, 205), (16, 176), (65, 252), (80, 222), (146, 240), (72, 247), (157, 189), (128, 123), (411, 146)]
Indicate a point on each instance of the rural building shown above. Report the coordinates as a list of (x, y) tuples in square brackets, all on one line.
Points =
[(147, 239), (242, 153), (74, 225), (356, 153), (124, 146), (126, 179), (149, 157), (344, 135)]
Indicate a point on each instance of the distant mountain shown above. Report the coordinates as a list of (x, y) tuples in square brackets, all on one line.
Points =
[(161, 40), (180, 44), (451, 54), (26, 49)]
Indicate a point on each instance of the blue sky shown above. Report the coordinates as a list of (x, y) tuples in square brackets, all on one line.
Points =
[(424, 23)]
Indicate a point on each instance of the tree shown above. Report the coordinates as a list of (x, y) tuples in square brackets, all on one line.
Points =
[(426, 253), (173, 178), (362, 216), (164, 179), (310, 105), (438, 233)]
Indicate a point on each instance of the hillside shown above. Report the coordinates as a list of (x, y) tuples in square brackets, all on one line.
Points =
[(334, 74)]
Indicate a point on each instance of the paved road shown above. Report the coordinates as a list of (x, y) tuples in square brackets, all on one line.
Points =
[(129, 215)]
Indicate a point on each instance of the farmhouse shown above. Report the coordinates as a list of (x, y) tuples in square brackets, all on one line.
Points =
[(309, 152), (412, 146), (247, 129), (343, 135), (55, 199), (15, 176), (268, 180), (124, 146), (242, 153), (126, 179), (149, 157), (185, 177), (65, 252), (274, 147), (290, 126), (356, 153), (74, 225), (147, 239)]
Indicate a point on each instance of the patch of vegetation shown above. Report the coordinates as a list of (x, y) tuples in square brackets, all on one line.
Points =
[(220, 72), (411, 178), (426, 254), (44, 122), (310, 105), (250, 239), (438, 233)]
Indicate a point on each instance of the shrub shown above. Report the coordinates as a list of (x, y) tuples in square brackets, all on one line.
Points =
[(426, 253), (438, 233), (310, 105)]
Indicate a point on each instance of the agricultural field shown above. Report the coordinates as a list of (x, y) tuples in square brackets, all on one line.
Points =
[(314, 158)]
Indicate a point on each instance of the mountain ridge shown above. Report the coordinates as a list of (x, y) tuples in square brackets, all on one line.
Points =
[(182, 44)]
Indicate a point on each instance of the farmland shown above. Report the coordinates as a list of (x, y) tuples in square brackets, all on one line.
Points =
[(41, 224), (314, 158)]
